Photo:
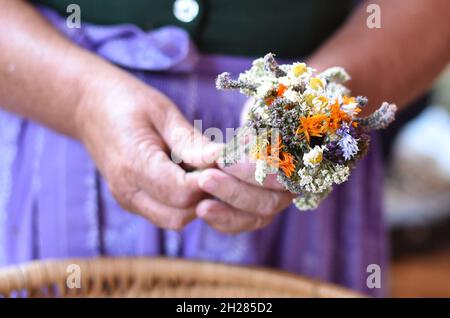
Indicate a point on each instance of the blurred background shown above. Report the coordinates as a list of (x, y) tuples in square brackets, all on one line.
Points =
[(417, 197)]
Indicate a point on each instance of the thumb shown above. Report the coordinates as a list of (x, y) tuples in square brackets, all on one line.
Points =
[(187, 145), (195, 150)]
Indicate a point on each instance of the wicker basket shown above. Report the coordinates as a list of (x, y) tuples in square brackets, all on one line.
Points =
[(157, 277)]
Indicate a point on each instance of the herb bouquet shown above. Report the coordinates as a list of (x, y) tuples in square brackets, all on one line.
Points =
[(304, 126)]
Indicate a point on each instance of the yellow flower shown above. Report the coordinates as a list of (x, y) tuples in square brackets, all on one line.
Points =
[(314, 156), (317, 159), (309, 99), (298, 69), (316, 83), (259, 149), (320, 103)]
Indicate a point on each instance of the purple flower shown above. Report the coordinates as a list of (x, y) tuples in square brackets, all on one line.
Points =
[(347, 143), (333, 153)]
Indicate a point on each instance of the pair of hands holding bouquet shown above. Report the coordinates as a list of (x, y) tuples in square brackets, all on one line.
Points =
[(300, 137)]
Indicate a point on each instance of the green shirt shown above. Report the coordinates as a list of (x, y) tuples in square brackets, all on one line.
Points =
[(290, 28)]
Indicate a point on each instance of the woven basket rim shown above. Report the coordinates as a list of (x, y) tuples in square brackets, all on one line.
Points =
[(178, 273)]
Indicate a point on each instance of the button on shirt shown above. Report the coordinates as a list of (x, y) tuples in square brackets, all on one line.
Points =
[(185, 10)]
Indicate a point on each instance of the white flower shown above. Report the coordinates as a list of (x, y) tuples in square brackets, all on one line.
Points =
[(313, 182), (262, 170), (351, 108), (264, 115), (304, 107), (308, 202), (265, 89), (301, 70), (335, 74), (297, 74), (293, 96), (341, 174), (314, 157), (256, 72), (290, 81), (320, 180), (298, 69), (315, 86), (335, 91), (320, 104), (285, 67)]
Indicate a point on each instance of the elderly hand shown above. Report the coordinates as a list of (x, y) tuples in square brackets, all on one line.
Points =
[(244, 205), (130, 129)]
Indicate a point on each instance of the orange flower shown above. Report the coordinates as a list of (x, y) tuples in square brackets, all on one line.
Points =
[(266, 152), (273, 153), (347, 100), (281, 89), (312, 126), (287, 163), (275, 157), (337, 116), (269, 101)]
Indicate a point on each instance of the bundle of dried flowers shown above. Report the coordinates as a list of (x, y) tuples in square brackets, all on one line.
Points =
[(305, 126)]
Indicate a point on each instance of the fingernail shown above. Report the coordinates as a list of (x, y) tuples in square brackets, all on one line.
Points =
[(214, 150), (209, 185), (203, 209), (202, 213)]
